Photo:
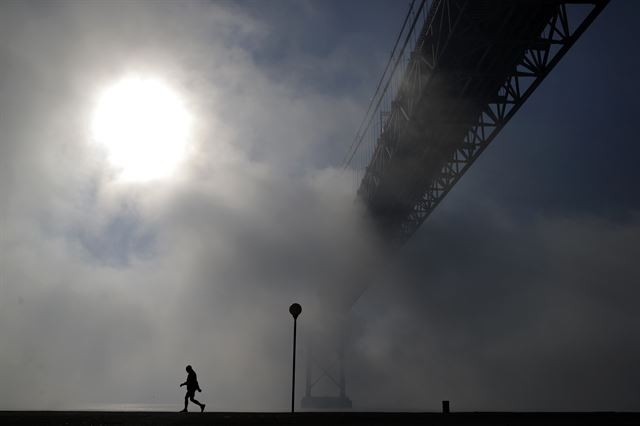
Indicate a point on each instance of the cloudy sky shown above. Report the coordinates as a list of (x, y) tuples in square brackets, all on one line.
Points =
[(518, 293)]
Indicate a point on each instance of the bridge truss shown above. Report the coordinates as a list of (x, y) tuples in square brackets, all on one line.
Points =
[(459, 72)]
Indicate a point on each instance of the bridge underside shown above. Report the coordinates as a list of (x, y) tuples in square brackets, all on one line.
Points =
[(474, 64)]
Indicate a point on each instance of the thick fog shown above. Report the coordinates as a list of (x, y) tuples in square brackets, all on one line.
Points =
[(108, 289)]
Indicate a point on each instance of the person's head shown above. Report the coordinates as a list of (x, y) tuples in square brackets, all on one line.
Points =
[(189, 369)]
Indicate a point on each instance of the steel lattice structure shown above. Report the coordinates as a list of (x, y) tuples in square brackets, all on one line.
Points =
[(458, 73), (472, 65)]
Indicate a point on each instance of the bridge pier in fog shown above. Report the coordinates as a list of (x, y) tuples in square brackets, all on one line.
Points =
[(326, 368)]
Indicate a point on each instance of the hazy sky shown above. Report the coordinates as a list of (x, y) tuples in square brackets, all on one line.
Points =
[(519, 292)]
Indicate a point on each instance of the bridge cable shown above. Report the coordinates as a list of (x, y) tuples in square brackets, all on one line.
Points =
[(359, 138), (364, 119)]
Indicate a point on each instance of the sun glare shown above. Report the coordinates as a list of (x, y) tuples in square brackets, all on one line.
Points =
[(144, 128)]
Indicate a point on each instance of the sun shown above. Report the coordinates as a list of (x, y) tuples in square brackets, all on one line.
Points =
[(143, 127)]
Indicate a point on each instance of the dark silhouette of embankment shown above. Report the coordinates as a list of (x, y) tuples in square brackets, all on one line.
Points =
[(84, 418)]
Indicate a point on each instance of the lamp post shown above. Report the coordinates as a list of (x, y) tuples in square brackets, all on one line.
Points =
[(295, 310)]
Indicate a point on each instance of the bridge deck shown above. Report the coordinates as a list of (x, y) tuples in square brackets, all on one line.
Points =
[(471, 68), (475, 63)]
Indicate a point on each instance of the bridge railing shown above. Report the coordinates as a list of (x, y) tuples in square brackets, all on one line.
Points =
[(361, 150)]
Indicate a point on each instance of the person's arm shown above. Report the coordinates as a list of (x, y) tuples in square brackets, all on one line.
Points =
[(182, 384)]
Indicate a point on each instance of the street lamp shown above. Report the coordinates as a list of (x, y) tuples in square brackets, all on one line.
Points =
[(295, 310)]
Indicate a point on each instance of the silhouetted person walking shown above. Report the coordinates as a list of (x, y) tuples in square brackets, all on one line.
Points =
[(192, 387)]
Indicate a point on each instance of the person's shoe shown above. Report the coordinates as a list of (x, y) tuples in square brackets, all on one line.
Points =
[(202, 407), (183, 411)]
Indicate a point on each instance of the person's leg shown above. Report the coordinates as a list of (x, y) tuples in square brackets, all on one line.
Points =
[(195, 401), (186, 401)]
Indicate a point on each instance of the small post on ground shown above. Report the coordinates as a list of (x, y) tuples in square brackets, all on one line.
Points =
[(295, 310), (445, 407)]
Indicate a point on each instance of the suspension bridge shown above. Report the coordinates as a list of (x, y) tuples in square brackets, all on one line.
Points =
[(458, 72)]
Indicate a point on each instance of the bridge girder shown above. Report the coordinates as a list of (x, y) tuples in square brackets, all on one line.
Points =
[(473, 66)]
